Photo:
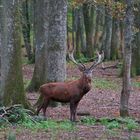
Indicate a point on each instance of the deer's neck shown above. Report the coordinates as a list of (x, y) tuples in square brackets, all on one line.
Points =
[(84, 84)]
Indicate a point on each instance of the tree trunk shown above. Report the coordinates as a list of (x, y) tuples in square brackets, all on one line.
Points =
[(73, 28), (38, 76), (107, 44), (82, 30), (26, 28), (103, 29), (136, 55), (97, 30), (124, 111), (115, 40), (12, 80), (89, 21), (136, 42), (78, 28), (122, 38), (0, 50), (56, 34)]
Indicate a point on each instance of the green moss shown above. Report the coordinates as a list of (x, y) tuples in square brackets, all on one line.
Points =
[(14, 88)]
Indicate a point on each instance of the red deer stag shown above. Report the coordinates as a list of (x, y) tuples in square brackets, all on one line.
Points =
[(68, 92)]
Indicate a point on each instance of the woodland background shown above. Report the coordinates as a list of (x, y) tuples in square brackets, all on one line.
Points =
[(35, 37)]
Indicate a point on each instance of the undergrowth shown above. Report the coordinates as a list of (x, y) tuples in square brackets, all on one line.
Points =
[(115, 123), (136, 84), (18, 116), (104, 84), (21, 118), (47, 124)]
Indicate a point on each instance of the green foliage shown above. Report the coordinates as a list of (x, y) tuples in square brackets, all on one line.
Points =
[(104, 121), (25, 61), (135, 138), (88, 120), (19, 116), (113, 124), (47, 124), (13, 115), (136, 84), (11, 136), (26, 83), (131, 124), (82, 59), (104, 84), (110, 124)]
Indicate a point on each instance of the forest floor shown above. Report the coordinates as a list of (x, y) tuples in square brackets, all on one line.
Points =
[(102, 102)]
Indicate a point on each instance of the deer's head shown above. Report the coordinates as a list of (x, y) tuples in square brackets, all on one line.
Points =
[(87, 72)]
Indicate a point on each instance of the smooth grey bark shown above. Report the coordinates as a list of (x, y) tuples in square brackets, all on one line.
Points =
[(12, 80), (39, 41), (107, 44), (128, 34), (55, 45)]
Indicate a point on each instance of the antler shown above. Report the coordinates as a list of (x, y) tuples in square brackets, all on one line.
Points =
[(98, 61), (80, 65)]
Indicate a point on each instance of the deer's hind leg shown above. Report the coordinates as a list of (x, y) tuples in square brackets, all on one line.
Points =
[(39, 108), (45, 105)]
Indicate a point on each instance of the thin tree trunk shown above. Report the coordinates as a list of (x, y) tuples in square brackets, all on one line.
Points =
[(103, 29), (89, 21), (82, 31), (115, 41), (136, 56), (77, 20), (26, 28), (97, 30), (122, 38), (124, 111), (136, 44), (1, 96), (73, 28), (107, 45)]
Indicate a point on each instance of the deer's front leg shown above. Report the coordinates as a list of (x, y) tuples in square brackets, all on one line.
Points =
[(74, 111), (73, 107)]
